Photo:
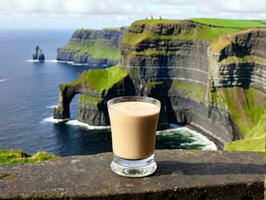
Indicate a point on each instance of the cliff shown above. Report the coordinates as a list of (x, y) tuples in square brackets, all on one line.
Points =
[(92, 47), (209, 75), (96, 88), (238, 78)]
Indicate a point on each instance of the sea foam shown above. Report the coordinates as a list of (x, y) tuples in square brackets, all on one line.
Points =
[(74, 123), (84, 125), (52, 120), (4, 79), (36, 61), (58, 61), (199, 138), (52, 106)]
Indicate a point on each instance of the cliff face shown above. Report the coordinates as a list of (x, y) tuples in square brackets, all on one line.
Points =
[(166, 65), (92, 47), (95, 87), (193, 69), (239, 60), (237, 71)]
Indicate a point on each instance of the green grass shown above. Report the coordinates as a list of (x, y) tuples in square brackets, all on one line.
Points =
[(94, 48), (156, 21), (19, 157), (215, 96), (100, 79), (257, 144), (206, 33), (227, 39), (194, 92), (248, 116), (199, 33), (103, 79), (85, 99), (233, 23)]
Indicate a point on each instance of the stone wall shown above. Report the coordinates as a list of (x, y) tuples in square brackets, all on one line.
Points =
[(180, 175)]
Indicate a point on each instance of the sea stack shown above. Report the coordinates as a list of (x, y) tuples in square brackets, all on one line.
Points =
[(38, 54)]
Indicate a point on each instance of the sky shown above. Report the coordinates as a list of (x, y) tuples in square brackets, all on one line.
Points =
[(96, 14)]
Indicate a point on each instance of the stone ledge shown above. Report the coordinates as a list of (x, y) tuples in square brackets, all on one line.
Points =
[(181, 174)]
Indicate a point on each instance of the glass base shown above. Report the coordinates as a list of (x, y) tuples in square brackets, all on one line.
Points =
[(133, 168)]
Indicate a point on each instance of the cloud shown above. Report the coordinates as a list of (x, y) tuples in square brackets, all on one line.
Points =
[(137, 7), (123, 12), (82, 7)]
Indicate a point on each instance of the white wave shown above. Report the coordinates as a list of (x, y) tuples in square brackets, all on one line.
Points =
[(84, 125), (31, 60), (58, 61), (71, 63), (52, 106), (199, 138), (4, 79), (36, 61), (52, 120), (52, 61), (74, 123)]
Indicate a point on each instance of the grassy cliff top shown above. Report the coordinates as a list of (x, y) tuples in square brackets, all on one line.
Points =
[(19, 157), (100, 79), (233, 23), (156, 21), (203, 29), (226, 40), (94, 48)]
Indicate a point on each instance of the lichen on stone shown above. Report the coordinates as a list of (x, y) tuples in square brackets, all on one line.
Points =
[(20, 157)]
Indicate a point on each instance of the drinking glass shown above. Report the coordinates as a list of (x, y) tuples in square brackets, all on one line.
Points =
[(133, 122)]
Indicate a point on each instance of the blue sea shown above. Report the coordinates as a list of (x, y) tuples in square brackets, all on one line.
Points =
[(29, 90)]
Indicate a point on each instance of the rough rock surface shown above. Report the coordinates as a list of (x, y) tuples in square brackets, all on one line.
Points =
[(240, 61), (98, 115), (174, 60), (38, 54), (91, 113), (181, 175)]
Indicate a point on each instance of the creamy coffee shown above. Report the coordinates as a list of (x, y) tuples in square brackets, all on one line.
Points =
[(133, 125)]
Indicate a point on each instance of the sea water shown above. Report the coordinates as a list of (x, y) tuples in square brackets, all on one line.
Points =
[(29, 90)]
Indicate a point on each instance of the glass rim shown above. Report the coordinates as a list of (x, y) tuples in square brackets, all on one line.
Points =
[(134, 98)]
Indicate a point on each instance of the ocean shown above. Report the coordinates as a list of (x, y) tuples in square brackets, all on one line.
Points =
[(29, 90)]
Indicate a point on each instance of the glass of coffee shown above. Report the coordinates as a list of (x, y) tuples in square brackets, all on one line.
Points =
[(133, 124)]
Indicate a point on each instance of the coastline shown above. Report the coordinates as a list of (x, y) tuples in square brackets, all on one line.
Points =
[(201, 136), (217, 141)]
